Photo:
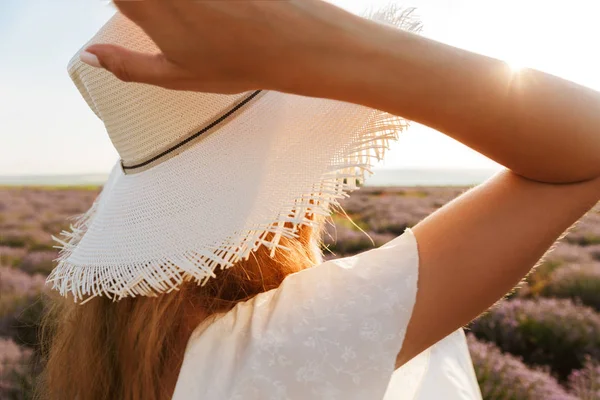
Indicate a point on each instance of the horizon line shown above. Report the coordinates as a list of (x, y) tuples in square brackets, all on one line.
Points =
[(383, 168)]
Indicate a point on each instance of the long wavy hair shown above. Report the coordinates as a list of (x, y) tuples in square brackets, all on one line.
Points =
[(133, 349)]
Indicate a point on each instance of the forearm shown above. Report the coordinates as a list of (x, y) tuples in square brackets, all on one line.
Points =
[(540, 126)]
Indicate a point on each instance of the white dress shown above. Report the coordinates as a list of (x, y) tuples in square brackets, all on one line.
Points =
[(329, 332)]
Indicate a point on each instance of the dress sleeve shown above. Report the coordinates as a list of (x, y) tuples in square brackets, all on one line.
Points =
[(329, 332)]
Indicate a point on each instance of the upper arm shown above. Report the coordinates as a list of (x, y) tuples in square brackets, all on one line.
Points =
[(478, 247)]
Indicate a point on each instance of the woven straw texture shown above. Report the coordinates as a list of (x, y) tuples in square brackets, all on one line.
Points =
[(279, 159)]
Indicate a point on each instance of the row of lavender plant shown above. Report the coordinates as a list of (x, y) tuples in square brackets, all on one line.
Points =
[(576, 281), (553, 332), (503, 376)]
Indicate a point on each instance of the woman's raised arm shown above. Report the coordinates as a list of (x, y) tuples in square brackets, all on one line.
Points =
[(539, 126)]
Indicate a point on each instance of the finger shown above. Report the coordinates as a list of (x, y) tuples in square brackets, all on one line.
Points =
[(133, 66)]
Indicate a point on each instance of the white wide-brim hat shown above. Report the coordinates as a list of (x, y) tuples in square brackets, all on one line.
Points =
[(203, 178)]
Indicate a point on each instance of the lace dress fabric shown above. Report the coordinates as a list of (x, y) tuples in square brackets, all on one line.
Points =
[(329, 332)]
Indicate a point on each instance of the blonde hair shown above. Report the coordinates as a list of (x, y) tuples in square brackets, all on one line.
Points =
[(133, 349)]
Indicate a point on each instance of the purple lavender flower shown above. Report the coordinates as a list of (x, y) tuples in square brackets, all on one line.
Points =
[(14, 368), (585, 382), (581, 282), (565, 252), (39, 261), (391, 210), (344, 241), (587, 230), (14, 281), (11, 255), (504, 376), (553, 332), (21, 305)]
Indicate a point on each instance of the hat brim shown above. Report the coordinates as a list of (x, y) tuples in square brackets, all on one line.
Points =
[(283, 158)]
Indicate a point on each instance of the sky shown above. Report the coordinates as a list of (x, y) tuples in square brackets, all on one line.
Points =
[(47, 128)]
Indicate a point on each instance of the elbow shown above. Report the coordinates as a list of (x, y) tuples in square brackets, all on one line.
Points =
[(557, 172), (566, 178)]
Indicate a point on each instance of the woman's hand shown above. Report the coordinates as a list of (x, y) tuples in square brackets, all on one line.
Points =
[(231, 46)]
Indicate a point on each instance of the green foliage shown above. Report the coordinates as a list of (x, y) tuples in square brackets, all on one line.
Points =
[(579, 282), (588, 239), (20, 318), (352, 245), (41, 247), (21, 384), (539, 277), (394, 227), (354, 223), (11, 240)]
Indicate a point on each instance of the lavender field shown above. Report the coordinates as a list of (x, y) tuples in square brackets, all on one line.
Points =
[(541, 342)]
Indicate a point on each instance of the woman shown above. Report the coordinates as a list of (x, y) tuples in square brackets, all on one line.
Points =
[(270, 320)]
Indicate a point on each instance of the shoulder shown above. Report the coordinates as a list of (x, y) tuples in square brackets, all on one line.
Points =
[(336, 327)]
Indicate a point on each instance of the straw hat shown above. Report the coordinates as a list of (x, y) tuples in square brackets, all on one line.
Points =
[(203, 178)]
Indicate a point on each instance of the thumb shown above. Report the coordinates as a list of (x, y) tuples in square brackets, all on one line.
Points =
[(131, 66)]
